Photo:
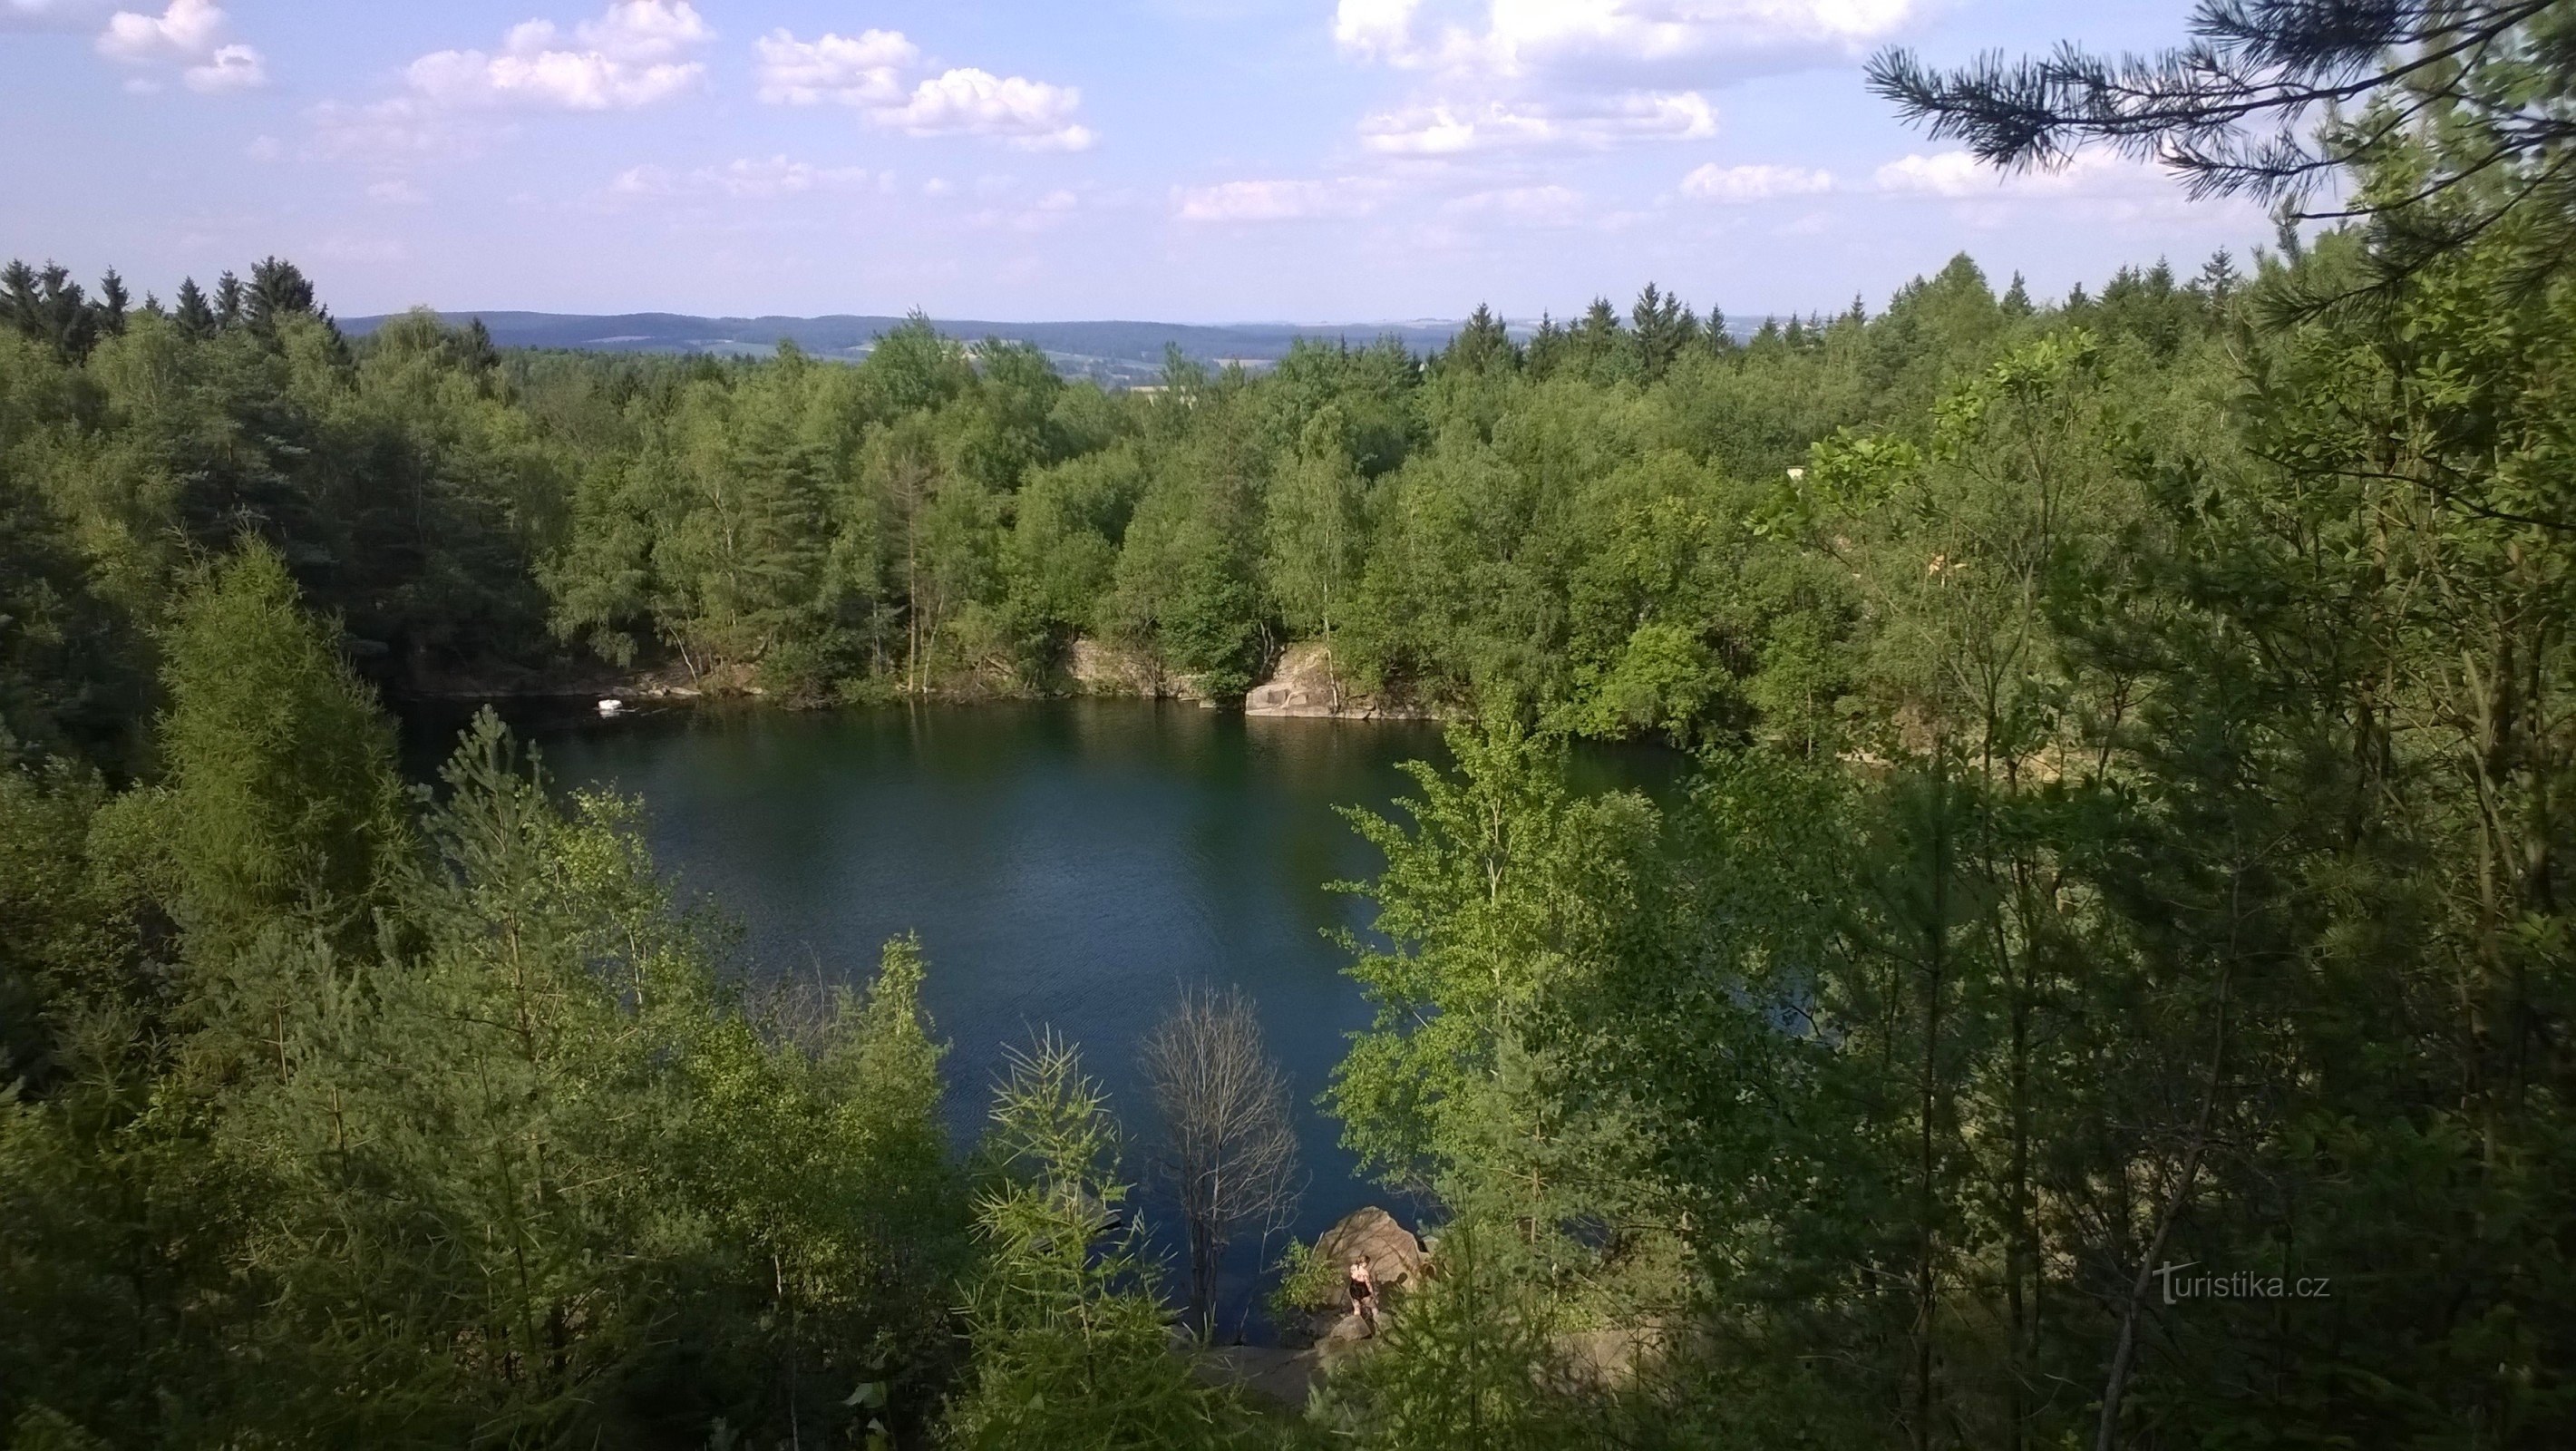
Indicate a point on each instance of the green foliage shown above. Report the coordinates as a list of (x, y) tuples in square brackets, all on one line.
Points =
[(1072, 1346), (510, 1167), (1307, 1283), (1575, 537), (1501, 903), (2129, 832), (1470, 1361), (279, 791)]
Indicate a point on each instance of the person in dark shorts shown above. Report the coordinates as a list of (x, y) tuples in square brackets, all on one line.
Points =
[(1364, 1293)]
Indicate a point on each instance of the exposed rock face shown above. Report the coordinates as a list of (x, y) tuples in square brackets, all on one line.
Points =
[(1304, 685), (1103, 669), (1395, 1260), (1394, 1255)]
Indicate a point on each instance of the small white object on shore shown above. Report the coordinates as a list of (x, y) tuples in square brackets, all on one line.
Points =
[(612, 706)]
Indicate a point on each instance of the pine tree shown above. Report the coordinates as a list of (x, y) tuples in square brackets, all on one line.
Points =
[(1482, 346), (20, 307), (1663, 330), (194, 318), (111, 304), (278, 290)]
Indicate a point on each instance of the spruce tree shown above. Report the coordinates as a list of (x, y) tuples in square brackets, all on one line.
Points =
[(194, 318)]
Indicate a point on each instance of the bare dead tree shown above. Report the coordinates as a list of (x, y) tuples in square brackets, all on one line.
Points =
[(1227, 1148)]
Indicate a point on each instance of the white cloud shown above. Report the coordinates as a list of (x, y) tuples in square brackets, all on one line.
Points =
[(188, 37), (1716, 183), (1449, 129), (1593, 73), (1543, 206), (1958, 175), (49, 14), (2098, 189), (1375, 29), (1276, 201), (1536, 32), (571, 80), (398, 129), (1032, 115), (749, 179), (1044, 214), (396, 193), (1523, 37), (646, 30), (869, 71), (188, 30), (859, 70), (230, 68), (1950, 173), (625, 58)]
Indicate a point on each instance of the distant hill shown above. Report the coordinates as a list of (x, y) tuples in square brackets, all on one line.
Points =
[(1115, 353)]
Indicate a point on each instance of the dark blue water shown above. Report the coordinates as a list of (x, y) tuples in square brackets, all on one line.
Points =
[(1068, 865)]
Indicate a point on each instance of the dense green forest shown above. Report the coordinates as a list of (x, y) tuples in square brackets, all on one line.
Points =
[(2125, 867)]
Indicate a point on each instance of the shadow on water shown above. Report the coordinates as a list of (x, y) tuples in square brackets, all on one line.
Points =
[(1067, 864)]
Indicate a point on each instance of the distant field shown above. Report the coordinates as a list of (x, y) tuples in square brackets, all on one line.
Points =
[(1116, 353)]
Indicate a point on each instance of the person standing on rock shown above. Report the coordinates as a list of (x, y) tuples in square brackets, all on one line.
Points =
[(1364, 1294)]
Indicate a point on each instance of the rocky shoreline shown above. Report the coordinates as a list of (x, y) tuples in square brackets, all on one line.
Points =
[(1301, 686)]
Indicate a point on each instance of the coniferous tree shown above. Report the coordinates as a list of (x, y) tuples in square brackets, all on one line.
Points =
[(194, 317), (1663, 329), (112, 302), (1483, 345)]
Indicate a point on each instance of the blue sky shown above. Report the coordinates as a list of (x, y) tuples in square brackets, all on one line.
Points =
[(1183, 160)]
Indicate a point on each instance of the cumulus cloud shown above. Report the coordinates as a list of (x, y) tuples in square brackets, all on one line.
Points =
[(1589, 72), (230, 68), (1276, 201), (1521, 37), (856, 70), (188, 38), (1715, 183), (625, 58), (393, 131), (1045, 213), (571, 80), (749, 179), (396, 193), (187, 30), (1029, 114), (645, 30), (1958, 175), (1540, 206), (49, 14), (869, 71), (1449, 129), (1376, 29), (2100, 187)]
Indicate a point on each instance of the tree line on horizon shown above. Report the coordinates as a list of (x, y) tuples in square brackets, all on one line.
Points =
[(945, 520), (2127, 843)]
